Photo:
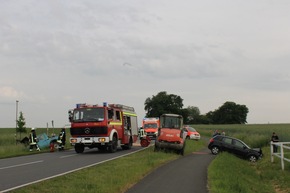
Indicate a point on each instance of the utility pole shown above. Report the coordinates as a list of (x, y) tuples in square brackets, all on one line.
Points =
[(52, 127), (16, 120)]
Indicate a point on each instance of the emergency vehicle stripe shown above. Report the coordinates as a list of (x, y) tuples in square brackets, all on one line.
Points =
[(130, 114), (115, 123)]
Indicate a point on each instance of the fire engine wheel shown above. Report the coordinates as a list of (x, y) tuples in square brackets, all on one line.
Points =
[(128, 145), (79, 148), (114, 144), (156, 148), (181, 152)]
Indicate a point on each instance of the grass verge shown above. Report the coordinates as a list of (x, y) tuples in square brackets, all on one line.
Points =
[(228, 173)]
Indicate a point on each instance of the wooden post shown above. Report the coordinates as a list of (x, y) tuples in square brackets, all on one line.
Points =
[(272, 155), (282, 156)]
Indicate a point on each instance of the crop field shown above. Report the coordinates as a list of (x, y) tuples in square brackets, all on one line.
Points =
[(255, 135)]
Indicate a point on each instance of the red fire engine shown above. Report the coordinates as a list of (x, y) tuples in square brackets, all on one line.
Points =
[(104, 127), (151, 125)]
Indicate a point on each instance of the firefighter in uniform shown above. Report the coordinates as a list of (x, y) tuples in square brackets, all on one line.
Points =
[(33, 140), (61, 139)]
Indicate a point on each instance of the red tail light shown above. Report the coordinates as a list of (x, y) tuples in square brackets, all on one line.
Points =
[(211, 140)]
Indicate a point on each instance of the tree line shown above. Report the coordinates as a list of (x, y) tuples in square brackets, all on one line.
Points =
[(228, 113)]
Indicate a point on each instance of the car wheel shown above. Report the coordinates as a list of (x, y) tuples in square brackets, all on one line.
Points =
[(252, 158), (215, 150)]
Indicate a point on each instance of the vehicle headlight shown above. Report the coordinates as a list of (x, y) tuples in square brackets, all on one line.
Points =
[(73, 140), (102, 139)]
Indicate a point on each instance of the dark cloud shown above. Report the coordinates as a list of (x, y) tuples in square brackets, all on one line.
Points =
[(66, 52)]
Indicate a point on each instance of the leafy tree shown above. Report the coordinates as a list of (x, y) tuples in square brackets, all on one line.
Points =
[(203, 119), (193, 115), (229, 113), (163, 103), (21, 124)]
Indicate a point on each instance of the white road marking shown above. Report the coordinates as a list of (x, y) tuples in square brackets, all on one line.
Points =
[(68, 172), (14, 166), (68, 156)]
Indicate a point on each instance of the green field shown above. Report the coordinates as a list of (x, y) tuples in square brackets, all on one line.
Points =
[(226, 173), (9, 147)]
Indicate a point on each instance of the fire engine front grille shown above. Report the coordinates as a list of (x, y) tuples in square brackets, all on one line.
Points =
[(89, 131)]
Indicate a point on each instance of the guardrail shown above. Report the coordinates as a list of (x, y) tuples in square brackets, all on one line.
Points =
[(280, 154)]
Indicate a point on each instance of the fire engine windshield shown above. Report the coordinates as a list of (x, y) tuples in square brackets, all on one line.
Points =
[(150, 125), (88, 114), (171, 122)]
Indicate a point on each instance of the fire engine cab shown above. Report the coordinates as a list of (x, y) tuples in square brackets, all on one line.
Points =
[(105, 127), (151, 125)]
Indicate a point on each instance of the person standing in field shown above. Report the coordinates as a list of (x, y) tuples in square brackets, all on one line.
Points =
[(216, 132), (223, 133), (275, 138), (33, 140), (62, 139)]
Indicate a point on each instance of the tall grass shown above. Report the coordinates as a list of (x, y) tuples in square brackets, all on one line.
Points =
[(230, 174)]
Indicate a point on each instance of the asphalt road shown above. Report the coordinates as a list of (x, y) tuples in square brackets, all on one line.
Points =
[(187, 175), (25, 170)]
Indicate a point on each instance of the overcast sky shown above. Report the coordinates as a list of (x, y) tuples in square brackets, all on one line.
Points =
[(54, 54)]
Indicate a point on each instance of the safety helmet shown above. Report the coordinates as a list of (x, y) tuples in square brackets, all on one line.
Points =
[(32, 129)]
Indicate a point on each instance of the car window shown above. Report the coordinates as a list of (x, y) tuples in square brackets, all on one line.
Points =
[(40, 137), (238, 144), (218, 138), (191, 129), (227, 140)]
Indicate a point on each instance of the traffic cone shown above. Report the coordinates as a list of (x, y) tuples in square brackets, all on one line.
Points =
[(51, 147)]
